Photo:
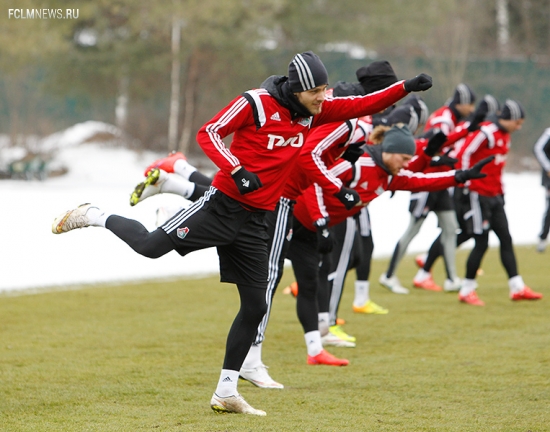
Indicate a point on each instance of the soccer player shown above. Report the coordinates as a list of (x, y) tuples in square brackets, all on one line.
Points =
[(488, 106), (382, 168), (269, 126), (542, 153), (487, 202), (447, 119)]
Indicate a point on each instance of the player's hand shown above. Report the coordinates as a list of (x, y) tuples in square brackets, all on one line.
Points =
[(246, 181), (435, 143), (444, 160), (349, 197), (352, 153), (462, 176), (324, 238), (420, 82), (479, 116)]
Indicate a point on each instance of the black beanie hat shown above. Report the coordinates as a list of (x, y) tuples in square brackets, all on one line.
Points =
[(490, 104), (419, 106), (376, 76), (306, 71), (399, 140), (512, 110), (463, 95)]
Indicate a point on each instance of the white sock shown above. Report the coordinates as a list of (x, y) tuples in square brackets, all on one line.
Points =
[(253, 358), (323, 323), (468, 285), (184, 168), (176, 184), (516, 284), (362, 295), (227, 385), (97, 217), (313, 343), (421, 275)]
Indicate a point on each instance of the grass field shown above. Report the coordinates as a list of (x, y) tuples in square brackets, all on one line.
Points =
[(147, 356)]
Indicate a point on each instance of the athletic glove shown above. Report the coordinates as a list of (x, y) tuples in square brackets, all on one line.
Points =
[(246, 181), (420, 82), (352, 153), (479, 116), (462, 176), (324, 239), (444, 160), (349, 197), (435, 143)]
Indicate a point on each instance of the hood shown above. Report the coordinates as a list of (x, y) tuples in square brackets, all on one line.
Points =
[(277, 86), (375, 152)]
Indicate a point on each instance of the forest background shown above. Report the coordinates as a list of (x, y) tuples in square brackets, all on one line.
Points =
[(159, 70)]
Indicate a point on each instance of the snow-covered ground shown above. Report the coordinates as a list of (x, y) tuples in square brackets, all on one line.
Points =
[(32, 257)]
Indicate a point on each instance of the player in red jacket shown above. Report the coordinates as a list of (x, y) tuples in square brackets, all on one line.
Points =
[(487, 202), (449, 120), (488, 106), (269, 126), (380, 169)]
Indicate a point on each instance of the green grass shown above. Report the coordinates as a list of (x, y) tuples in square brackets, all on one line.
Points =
[(147, 357)]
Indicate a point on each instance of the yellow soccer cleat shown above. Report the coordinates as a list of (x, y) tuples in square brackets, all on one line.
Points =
[(339, 332), (370, 308)]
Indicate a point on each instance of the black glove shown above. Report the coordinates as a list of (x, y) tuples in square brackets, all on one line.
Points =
[(444, 160), (479, 116), (349, 197), (420, 82), (324, 239), (246, 181), (435, 143), (353, 152), (462, 176)]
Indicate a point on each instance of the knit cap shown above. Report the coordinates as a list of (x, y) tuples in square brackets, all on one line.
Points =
[(512, 110), (306, 71), (399, 140), (376, 76), (463, 95)]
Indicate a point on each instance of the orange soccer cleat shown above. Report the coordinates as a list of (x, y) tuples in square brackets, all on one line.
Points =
[(471, 298), (427, 284), (525, 294), (326, 358), (167, 163)]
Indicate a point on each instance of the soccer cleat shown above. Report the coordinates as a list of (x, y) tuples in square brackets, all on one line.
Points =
[(292, 289), (340, 321), (472, 299), (325, 358), (332, 340), (370, 308), (338, 331), (146, 188), (541, 246), (165, 164), (427, 284), (233, 405), (420, 260), (72, 219), (260, 378), (392, 284), (452, 285), (525, 294)]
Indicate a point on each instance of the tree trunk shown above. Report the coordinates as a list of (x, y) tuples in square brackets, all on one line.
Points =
[(503, 26), (190, 96), (121, 110), (175, 93)]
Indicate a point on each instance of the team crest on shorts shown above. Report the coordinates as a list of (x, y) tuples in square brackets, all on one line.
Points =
[(182, 232), (289, 236)]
